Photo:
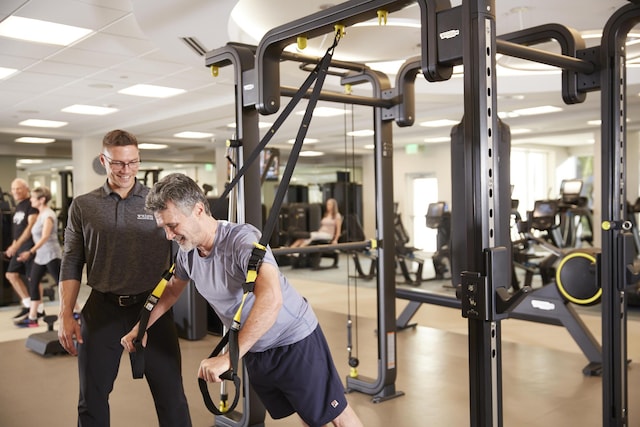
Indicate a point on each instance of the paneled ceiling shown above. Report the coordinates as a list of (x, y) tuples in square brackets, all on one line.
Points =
[(141, 41)]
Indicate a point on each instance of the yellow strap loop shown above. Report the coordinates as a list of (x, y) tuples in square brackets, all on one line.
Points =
[(302, 42), (215, 71), (382, 16)]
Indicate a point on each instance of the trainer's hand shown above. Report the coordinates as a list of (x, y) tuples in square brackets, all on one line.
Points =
[(211, 369), (69, 333)]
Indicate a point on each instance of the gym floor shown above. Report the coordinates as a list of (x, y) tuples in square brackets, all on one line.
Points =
[(543, 384)]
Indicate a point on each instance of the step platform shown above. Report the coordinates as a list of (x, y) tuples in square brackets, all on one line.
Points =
[(46, 343)]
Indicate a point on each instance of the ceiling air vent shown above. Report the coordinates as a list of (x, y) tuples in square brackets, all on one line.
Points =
[(195, 45)]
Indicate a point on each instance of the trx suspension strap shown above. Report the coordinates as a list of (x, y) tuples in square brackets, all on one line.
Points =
[(137, 357), (318, 74)]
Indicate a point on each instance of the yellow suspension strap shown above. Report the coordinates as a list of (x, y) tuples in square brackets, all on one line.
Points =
[(231, 337), (137, 358)]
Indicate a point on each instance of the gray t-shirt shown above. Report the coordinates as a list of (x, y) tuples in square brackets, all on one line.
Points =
[(219, 278), (51, 249)]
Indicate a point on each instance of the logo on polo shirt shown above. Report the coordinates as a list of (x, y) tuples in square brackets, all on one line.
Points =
[(146, 217), (334, 404)]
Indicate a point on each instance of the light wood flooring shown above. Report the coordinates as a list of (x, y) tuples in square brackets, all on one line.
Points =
[(543, 384)]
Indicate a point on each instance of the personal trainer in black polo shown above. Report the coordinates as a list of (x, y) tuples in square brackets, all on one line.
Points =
[(125, 253)]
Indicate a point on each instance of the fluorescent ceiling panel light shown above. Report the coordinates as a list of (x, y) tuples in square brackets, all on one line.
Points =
[(150, 146), (306, 141), (439, 123), (326, 112), (151, 91), (29, 161), (507, 114), (193, 135), (34, 140), (437, 139), (369, 147), (520, 131), (42, 123), (90, 110), (35, 30), (311, 153), (543, 109), (597, 122), (7, 72), (362, 132)]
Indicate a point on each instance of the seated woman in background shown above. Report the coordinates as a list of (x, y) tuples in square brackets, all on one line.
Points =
[(330, 226)]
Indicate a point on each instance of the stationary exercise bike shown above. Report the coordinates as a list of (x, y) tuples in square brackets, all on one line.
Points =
[(571, 270)]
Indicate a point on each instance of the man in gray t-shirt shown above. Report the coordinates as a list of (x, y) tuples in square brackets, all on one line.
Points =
[(285, 352)]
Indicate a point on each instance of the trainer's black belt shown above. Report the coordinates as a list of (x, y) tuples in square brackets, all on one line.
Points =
[(125, 300)]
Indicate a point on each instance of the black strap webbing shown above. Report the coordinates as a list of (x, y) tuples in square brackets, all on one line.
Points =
[(318, 75), (137, 357)]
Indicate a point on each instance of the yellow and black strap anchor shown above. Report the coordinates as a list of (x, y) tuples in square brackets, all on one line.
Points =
[(137, 358), (231, 338)]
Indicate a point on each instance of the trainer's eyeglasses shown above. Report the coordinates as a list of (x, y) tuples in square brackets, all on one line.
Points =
[(119, 165)]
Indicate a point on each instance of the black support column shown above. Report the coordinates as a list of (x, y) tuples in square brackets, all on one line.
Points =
[(481, 194), (613, 280)]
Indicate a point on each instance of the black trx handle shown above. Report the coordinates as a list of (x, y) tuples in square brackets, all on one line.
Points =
[(230, 375), (137, 357), (318, 74)]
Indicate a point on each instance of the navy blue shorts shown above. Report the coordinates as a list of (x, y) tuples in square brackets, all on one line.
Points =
[(16, 266), (298, 378)]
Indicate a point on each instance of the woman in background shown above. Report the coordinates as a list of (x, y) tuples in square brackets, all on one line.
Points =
[(46, 252), (330, 226)]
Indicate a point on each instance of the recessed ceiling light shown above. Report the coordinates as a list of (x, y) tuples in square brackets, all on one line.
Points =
[(28, 161), (439, 123), (35, 30), (90, 110), (520, 131), (311, 153), (151, 91), (150, 146), (543, 109), (507, 114), (597, 122), (34, 140), (369, 147), (42, 123), (362, 132), (306, 141), (437, 139), (326, 112), (193, 135), (7, 72)]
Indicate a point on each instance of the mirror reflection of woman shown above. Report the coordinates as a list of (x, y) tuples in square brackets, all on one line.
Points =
[(46, 252)]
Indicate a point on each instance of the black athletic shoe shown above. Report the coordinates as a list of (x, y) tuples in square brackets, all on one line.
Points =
[(23, 312)]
